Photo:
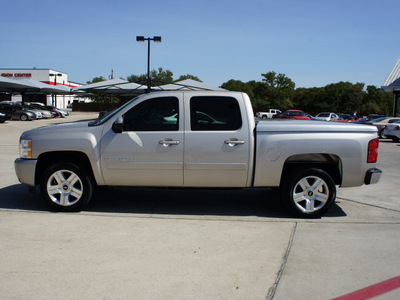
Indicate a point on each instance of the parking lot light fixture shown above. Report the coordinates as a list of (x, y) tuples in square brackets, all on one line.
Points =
[(54, 98), (156, 39), (55, 77)]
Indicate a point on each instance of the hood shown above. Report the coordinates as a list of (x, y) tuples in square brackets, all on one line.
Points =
[(276, 125), (57, 129)]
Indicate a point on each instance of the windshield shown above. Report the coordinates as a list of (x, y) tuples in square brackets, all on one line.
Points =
[(323, 115), (109, 116)]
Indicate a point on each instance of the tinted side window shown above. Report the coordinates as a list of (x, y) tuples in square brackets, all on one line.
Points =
[(157, 114), (215, 113)]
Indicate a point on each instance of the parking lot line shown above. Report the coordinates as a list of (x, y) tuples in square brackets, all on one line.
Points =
[(373, 290)]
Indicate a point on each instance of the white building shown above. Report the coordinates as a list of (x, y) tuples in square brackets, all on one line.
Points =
[(48, 76)]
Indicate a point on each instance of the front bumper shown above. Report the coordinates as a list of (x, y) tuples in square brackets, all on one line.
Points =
[(25, 170), (372, 176)]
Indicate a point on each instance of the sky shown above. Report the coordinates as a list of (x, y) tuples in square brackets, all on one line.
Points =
[(313, 42)]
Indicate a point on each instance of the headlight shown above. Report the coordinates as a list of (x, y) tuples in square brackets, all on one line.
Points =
[(25, 149)]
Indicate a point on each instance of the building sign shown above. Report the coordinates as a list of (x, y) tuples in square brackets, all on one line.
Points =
[(17, 75)]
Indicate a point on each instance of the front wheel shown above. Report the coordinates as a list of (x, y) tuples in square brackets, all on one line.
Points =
[(66, 187), (23, 117), (309, 192)]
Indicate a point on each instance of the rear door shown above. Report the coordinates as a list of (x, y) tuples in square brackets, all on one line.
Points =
[(217, 142)]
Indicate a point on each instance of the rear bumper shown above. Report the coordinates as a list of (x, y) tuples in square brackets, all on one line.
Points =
[(25, 170), (372, 176)]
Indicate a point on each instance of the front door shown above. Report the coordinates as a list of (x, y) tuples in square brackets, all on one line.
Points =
[(149, 151)]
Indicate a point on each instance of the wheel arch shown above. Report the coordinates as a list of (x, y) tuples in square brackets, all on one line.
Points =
[(329, 163), (47, 159)]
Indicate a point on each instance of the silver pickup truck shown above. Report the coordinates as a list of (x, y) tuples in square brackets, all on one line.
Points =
[(198, 139)]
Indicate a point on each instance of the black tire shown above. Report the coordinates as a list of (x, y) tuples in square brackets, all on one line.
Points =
[(264, 117), (395, 139), (23, 117), (309, 193), (66, 187), (381, 135)]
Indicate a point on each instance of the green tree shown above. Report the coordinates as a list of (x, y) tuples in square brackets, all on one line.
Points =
[(237, 86), (383, 102), (188, 76), (240, 86), (97, 96), (157, 77), (160, 76), (343, 97), (259, 95), (142, 79), (96, 79), (273, 90), (280, 88)]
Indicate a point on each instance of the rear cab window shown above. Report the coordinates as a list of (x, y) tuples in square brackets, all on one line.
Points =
[(214, 113)]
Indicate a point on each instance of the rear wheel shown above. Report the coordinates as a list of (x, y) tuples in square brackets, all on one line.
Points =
[(381, 135), (309, 192), (66, 187), (23, 117)]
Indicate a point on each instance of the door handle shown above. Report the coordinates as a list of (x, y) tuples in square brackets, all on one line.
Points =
[(168, 142), (233, 142)]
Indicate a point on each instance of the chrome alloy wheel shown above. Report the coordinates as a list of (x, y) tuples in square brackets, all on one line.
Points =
[(310, 194), (64, 187)]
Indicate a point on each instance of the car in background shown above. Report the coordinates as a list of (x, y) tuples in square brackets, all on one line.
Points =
[(292, 114), (380, 124), (40, 108), (4, 117), (326, 116), (346, 118), (61, 113), (362, 120), (267, 114), (104, 113), (18, 113), (310, 116), (392, 131), (39, 114), (55, 112), (372, 117)]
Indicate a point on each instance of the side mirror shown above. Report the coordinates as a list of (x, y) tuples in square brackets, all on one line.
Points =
[(118, 125)]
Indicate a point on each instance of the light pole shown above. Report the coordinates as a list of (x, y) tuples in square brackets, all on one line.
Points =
[(156, 39), (55, 83)]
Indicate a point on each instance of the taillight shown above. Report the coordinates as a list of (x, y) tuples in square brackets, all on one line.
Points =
[(397, 128), (373, 146)]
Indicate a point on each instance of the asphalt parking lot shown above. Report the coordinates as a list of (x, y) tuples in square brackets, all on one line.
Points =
[(142, 243)]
